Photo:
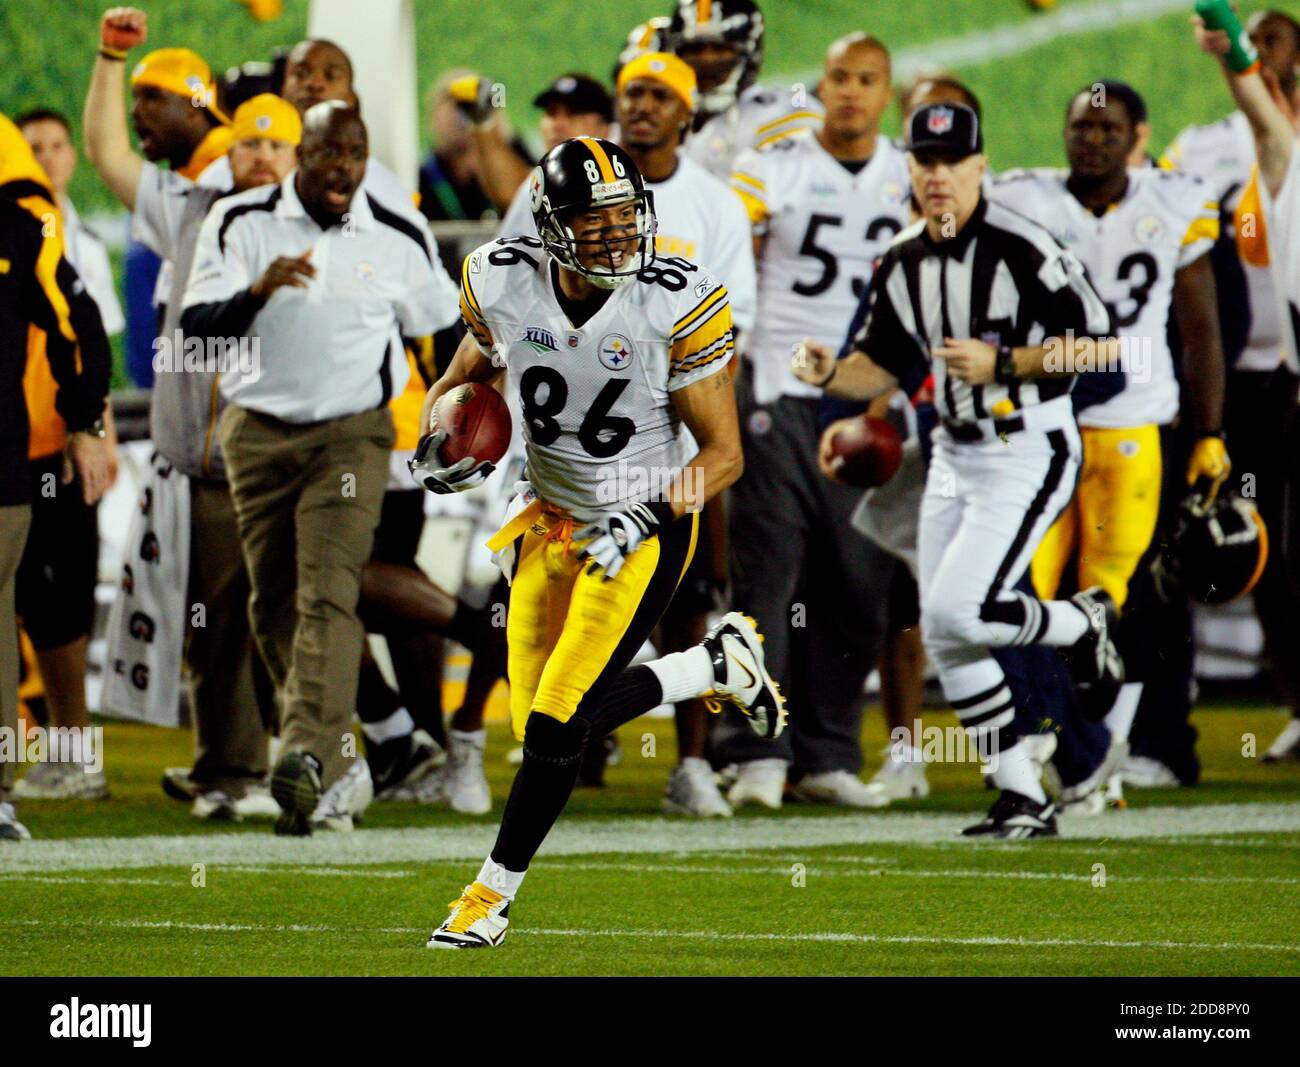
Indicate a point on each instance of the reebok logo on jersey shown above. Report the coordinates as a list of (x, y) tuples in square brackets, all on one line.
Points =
[(540, 340)]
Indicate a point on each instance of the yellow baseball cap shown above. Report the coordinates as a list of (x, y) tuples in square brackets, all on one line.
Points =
[(266, 115), (664, 67), (180, 71)]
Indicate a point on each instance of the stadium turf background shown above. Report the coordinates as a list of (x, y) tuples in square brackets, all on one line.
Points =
[(1219, 903)]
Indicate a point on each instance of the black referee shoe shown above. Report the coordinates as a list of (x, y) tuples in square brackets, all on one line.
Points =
[(1095, 662), (295, 785), (1016, 816)]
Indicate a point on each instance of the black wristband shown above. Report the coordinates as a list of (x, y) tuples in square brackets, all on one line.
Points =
[(1004, 366), (827, 380), (115, 56)]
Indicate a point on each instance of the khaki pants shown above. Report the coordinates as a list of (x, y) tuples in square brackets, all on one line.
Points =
[(232, 713), (307, 500), (13, 536)]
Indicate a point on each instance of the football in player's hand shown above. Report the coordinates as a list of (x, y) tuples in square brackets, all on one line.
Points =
[(862, 451), (477, 423)]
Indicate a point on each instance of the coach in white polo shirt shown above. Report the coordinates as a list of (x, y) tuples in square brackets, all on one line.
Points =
[(323, 279)]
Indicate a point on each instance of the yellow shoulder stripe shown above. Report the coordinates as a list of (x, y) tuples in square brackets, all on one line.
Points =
[(720, 293), (779, 136), (47, 261), (791, 117), (1203, 226), (754, 207), (752, 182)]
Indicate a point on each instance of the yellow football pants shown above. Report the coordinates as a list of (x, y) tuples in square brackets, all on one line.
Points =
[(570, 633), (1111, 519)]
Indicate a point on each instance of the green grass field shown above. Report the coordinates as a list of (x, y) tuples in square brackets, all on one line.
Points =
[(1191, 882)]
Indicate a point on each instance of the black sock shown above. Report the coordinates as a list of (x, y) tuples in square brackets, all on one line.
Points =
[(632, 693), (552, 753)]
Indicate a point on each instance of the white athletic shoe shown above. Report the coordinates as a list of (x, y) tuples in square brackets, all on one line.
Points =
[(901, 779), (465, 784), (692, 790), (346, 800), (61, 781), (257, 803), (216, 805), (429, 789), (740, 676), (760, 782), (841, 788), (478, 919), (1286, 745), (10, 828), (1087, 805), (1147, 773), (1115, 756)]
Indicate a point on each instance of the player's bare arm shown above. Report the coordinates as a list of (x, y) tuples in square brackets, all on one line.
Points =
[(1197, 310), (975, 362), (1274, 134), (108, 142), (708, 408), (856, 377)]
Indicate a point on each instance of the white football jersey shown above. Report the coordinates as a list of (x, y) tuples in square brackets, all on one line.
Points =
[(599, 423), (759, 117), (1223, 154), (824, 228), (1282, 215), (1165, 221)]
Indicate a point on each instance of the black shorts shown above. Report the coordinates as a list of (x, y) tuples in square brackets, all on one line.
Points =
[(694, 595), (903, 601), (54, 589), (401, 522)]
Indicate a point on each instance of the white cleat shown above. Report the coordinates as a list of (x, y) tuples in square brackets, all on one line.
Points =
[(740, 676), (61, 781), (346, 800), (760, 782), (464, 783), (479, 918), (1147, 773), (901, 779), (692, 790), (1088, 805), (430, 789), (216, 805), (10, 828), (842, 789), (1115, 756), (1286, 746), (257, 803)]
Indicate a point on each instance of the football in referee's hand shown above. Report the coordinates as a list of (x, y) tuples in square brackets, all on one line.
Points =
[(864, 452), (477, 422)]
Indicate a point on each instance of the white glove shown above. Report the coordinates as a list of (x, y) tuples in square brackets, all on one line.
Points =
[(430, 473), (615, 535)]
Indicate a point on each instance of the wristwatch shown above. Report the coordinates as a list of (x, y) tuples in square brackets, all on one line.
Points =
[(95, 429), (1004, 367)]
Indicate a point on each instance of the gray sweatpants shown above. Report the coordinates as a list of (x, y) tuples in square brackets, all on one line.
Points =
[(815, 585)]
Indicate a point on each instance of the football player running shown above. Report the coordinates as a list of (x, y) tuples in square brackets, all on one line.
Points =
[(723, 41), (1143, 234), (611, 353)]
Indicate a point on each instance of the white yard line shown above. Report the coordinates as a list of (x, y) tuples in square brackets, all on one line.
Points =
[(637, 835), (674, 935)]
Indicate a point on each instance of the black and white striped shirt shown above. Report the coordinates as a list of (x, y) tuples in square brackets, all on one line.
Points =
[(1003, 279)]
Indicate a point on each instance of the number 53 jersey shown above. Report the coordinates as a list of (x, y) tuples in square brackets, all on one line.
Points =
[(1165, 221), (599, 422), (823, 227)]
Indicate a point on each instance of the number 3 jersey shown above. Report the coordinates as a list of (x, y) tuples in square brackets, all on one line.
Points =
[(823, 227), (1164, 222), (599, 423)]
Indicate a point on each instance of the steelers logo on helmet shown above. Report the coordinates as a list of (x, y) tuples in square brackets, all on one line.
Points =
[(593, 185), (1217, 551)]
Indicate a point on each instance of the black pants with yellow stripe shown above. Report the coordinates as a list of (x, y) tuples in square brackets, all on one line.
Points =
[(571, 635)]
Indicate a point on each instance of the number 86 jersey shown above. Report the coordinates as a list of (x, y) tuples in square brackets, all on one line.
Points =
[(599, 423)]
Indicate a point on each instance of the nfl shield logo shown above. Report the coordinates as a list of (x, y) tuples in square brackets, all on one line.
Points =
[(940, 120)]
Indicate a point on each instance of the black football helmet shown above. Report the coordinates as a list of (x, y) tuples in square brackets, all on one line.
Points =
[(1217, 549), (738, 23), (581, 174)]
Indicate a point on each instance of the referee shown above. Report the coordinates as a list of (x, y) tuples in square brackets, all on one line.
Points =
[(323, 278), (988, 305)]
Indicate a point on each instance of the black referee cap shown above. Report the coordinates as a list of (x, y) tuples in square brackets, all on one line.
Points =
[(580, 93), (950, 130)]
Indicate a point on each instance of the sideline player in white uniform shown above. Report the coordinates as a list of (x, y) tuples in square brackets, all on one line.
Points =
[(1260, 387), (1143, 234), (989, 303), (824, 207), (723, 41), (613, 357)]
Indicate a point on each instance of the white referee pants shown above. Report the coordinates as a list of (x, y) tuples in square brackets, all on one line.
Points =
[(985, 508)]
